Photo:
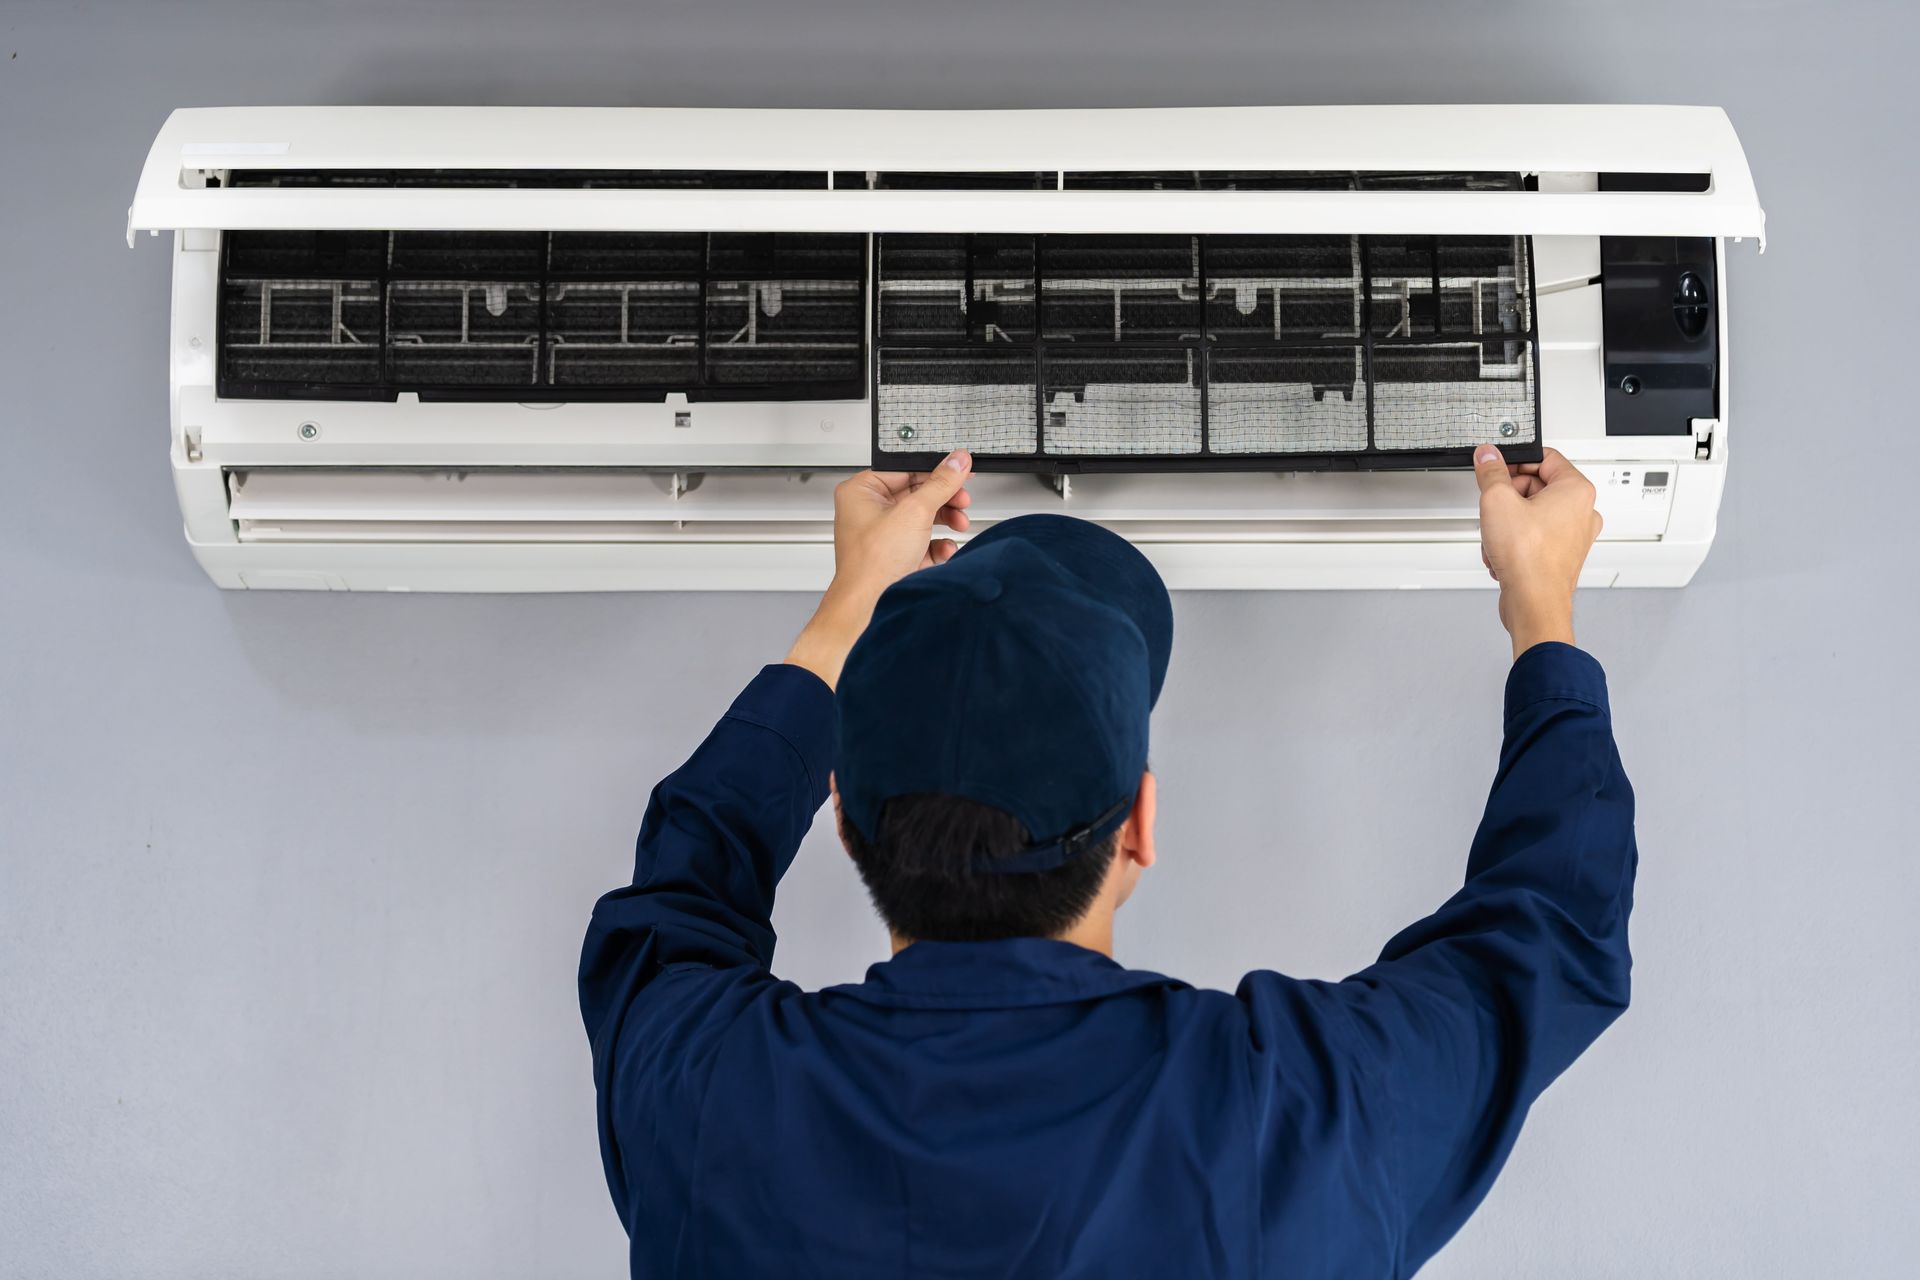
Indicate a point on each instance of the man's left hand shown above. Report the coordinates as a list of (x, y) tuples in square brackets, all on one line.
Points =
[(883, 524)]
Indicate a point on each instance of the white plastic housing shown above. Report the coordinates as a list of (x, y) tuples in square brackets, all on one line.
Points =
[(637, 496)]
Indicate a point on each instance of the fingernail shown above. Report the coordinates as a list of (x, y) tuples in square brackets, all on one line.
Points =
[(958, 459), (1486, 453)]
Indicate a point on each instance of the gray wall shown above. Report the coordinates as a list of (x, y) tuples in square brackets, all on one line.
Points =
[(293, 885)]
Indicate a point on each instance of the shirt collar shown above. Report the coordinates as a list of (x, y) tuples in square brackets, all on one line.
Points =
[(1007, 973)]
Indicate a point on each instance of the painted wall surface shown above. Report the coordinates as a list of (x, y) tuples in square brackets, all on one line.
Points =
[(291, 886)]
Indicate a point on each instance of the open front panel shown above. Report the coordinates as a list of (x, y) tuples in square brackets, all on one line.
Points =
[(542, 316), (1151, 352)]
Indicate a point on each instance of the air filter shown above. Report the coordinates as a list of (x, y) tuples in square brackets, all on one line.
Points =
[(475, 315), (1175, 352)]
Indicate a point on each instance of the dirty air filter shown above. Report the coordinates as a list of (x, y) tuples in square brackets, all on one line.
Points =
[(1170, 352), (542, 316)]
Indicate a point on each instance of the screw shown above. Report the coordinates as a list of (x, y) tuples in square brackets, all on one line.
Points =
[(906, 431), (309, 431), (1630, 385), (1509, 429)]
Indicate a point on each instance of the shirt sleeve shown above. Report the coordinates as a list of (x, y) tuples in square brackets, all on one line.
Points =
[(666, 959), (1443, 1044)]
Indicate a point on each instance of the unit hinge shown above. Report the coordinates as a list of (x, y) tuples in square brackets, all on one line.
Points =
[(1703, 429), (680, 484)]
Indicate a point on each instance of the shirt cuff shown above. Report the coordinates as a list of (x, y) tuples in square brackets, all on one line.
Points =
[(797, 705), (1555, 672)]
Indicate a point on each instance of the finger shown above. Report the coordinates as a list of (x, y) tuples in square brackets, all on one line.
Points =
[(920, 479), (890, 483), (952, 519), (938, 486), (1489, 468), (1554, 467), (941, 550)]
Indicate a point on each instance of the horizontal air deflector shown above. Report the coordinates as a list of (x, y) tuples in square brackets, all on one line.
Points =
[(621, 505), (1459, 529), (548, 496)]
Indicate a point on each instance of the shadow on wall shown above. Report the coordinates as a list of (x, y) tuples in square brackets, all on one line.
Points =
[(491, 665)]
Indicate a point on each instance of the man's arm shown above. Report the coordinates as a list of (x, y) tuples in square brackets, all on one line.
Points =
[(1471, 1013), (1439, 1049), (720, 831), (670, 957)]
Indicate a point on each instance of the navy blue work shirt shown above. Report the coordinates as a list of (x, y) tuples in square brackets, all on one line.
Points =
[(1031, 1108)]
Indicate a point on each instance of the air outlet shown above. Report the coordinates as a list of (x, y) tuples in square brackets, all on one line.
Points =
[(1286, 180), (884, 180), (539, 179)]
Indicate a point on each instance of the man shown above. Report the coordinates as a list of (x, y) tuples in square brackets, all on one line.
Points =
[(1001, 1098)]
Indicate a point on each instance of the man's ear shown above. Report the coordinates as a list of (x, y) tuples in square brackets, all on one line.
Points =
[(1136, 835)]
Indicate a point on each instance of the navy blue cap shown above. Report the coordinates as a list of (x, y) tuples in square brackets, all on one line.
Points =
[(1019, 674)]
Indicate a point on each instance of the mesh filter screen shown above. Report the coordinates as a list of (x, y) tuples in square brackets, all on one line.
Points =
[(1120, 288), (1437, 397), (1138, 350), (286, 330), (941, 398), (1291, 400), (623, 333), (1158, 350), (589, 314), (464, 332), (1142, 401)]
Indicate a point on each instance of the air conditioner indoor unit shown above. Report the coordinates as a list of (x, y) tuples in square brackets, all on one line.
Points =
[(565, 349)]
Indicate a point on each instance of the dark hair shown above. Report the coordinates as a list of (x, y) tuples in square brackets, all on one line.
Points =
[(921, 871)]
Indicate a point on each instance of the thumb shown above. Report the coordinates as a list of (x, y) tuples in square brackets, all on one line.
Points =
[(944, 481), (1490, 467)]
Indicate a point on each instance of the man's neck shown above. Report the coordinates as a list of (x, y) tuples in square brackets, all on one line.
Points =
[(1094, 931)]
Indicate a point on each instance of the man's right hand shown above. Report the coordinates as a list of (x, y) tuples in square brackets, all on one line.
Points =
[(1537, 524)]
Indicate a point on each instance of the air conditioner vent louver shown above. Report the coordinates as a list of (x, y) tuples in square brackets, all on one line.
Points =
[(885, 180), (537, 315), (1027, 180), (1286, 180), (1164, 352), (539, 179)]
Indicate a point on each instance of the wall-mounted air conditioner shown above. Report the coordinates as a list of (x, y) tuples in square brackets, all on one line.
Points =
[(570, 349)]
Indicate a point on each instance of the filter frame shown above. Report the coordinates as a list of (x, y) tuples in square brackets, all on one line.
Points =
[(1204, 344)]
